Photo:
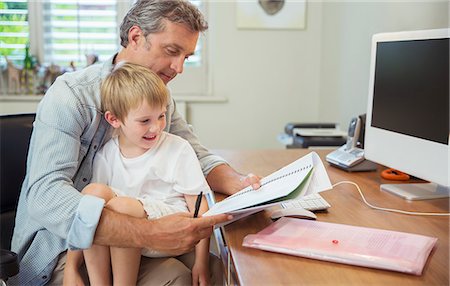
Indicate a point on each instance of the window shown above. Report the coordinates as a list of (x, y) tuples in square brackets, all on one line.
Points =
[(73, 29), (14, 29), (194, 80), (65, 31)]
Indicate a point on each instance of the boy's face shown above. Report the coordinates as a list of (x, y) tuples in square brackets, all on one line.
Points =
[(141, 129), (165, 52)]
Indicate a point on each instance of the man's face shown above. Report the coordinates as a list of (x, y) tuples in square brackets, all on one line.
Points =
[(165, 52)]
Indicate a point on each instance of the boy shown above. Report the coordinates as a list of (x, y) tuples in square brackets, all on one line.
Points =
[(142, 172)]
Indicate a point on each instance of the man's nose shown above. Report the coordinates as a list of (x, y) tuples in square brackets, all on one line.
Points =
[(177, 64)]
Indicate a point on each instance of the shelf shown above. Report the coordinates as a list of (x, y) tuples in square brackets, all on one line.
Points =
[(21, 97)]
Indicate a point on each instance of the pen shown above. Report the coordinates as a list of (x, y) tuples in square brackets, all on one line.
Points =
[(197, 204)]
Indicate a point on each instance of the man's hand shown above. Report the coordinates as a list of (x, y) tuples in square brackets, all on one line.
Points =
[(179, 233), (250, 180), (226, 180), (173, 234)]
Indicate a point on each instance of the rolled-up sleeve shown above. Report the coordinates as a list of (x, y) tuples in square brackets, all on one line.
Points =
[(82, 231)]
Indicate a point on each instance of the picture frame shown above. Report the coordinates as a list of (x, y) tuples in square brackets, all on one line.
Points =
[(271, 14)]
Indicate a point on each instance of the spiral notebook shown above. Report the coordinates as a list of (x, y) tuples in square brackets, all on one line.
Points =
[(369, 247), (304, 176)]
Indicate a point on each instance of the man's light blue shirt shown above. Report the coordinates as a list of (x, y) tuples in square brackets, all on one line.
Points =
[(69, 129)]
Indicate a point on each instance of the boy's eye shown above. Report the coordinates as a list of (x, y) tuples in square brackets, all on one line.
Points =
[(162, 116), (145, 121)]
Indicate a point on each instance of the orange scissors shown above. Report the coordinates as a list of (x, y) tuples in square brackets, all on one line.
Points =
[(395, 175)]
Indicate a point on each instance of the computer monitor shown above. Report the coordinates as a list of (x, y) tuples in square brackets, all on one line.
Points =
[(407, 124)]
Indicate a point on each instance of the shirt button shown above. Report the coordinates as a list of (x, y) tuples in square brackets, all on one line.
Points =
[(95, 147), (84, 180), (44, 277)]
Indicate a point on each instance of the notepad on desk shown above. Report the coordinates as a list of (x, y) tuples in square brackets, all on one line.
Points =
[(304, 176), (369, 247)]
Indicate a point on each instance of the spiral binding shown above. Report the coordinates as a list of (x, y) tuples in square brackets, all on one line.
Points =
[(272, 180)]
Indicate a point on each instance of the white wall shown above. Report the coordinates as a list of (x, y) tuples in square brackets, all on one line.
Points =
[(272, 77), (346, 41)]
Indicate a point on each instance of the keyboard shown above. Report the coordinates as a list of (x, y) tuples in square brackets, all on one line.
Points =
[(313, 202)]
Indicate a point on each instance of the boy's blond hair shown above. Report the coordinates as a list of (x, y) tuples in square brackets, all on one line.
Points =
[(128, 86)]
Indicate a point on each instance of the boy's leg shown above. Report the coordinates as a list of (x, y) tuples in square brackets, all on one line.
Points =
[(126, 261), (58, 272), (97, 258), (72, 276), (98, 264), (215, 266), (152, 271), (99, 190)]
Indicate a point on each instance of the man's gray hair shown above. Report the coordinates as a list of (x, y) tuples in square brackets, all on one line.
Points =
[(150, 16)]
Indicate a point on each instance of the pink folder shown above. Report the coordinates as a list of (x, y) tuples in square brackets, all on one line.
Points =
[(369, 247)]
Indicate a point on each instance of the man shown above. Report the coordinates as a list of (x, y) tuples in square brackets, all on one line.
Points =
[(52, 215)]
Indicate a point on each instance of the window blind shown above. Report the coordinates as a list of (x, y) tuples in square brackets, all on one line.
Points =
[(73, 29), (196, 60), (14, 29)]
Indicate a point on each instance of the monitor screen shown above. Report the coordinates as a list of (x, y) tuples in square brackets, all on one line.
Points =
[(407, 124)]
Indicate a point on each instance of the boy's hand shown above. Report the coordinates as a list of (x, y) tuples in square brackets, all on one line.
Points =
[(200, 274), (72, 278)]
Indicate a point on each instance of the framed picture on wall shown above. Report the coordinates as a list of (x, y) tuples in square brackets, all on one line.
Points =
[(271, 14)]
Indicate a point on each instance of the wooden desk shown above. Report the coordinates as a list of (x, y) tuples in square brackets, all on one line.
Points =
[(256, 267)]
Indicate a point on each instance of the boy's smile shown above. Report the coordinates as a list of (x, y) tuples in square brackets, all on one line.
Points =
[(141, 129)]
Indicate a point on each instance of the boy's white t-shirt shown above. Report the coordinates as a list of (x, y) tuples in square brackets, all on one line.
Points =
[(162, 175)]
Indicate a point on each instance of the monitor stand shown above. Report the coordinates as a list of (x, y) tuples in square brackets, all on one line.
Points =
[(421, 191)]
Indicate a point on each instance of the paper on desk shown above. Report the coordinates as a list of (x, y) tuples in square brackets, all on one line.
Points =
[(302, 177), (369, 247), (319, 132)]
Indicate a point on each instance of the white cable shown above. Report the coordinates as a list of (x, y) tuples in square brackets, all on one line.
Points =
[(387, 209)]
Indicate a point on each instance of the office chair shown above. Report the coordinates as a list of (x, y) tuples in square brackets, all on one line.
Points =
[(15, 133)]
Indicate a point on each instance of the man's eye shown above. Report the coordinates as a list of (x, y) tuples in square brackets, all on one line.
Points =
[(172, 52), (145, 121), (162, 116)]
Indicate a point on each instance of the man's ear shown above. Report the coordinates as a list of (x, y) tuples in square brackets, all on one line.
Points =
[(112, 119), (135, 34)]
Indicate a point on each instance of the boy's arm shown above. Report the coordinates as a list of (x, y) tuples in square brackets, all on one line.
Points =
[(200, 271)]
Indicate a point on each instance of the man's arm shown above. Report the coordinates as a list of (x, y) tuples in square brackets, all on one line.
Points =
[(53, 160), (174, 234)]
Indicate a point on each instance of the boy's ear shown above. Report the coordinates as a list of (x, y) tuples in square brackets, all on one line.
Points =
[(112, 119)]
